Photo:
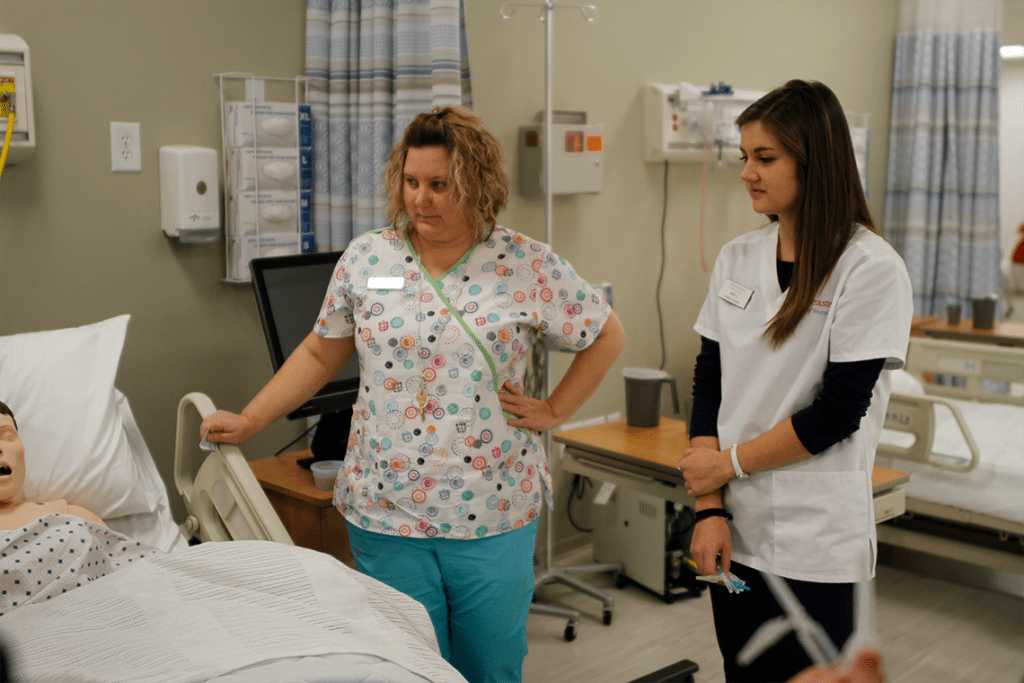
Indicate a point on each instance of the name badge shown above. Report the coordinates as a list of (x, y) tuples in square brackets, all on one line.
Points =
[(736, 294), (390, 283)]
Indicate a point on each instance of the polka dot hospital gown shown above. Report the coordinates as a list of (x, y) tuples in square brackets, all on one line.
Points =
[(430, 453), (58, 553)]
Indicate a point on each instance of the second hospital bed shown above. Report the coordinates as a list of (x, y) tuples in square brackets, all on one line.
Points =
[(955, 422), (135, 601)]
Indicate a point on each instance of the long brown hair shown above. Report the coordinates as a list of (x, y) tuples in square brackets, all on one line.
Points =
[(808, 121), (476, 166)]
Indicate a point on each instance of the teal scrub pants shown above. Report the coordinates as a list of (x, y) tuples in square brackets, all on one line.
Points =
[(477, 592)]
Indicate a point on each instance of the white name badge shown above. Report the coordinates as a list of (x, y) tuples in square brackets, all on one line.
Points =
[(385, 283), (736, 294)]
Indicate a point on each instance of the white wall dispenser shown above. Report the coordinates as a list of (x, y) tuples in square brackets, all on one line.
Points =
[(190, 193), (576, 155)]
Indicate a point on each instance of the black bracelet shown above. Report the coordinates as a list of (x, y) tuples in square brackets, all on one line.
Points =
[(711, 512)]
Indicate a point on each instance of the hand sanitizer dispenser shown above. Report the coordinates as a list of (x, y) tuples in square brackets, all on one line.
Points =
[(189, 193)]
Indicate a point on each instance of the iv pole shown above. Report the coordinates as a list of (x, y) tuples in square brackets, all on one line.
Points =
[(551, 573)]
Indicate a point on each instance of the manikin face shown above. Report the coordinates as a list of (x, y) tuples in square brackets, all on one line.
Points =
[(12, 461), (428, 197), (769, 172)]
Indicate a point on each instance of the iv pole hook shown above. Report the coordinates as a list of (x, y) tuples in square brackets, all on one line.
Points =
[(508, 9)]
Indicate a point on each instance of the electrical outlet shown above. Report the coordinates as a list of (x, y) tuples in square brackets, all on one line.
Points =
[(125, 147)]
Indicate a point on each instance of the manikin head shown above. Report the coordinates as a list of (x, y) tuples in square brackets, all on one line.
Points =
[(12, 458)]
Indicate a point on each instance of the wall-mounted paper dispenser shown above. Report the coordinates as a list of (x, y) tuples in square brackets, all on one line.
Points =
[(190, 193)]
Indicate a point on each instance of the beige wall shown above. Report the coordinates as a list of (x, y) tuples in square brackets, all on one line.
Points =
[(1013, 22), (79, 243)]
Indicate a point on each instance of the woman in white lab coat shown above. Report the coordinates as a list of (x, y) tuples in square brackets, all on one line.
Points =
[(801, 319)]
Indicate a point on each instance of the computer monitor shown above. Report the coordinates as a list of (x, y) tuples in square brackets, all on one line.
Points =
[(289, 294)]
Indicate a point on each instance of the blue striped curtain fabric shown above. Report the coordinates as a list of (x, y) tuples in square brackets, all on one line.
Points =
[(373, 65), (942, 190)]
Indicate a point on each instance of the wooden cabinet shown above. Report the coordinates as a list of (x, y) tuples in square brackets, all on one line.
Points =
[(308, 513)]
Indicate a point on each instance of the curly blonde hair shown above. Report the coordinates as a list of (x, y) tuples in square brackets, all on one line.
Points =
[(476, 167)]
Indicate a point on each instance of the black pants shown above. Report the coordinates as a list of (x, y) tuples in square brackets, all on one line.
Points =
[(739, 615)]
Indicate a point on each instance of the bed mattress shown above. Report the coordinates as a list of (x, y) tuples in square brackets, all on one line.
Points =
[(996, 486)]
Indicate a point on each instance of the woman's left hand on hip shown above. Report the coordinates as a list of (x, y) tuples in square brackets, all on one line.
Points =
[(529, 412)]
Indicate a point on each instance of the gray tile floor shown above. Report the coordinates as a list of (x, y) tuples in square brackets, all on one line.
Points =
[(930, 631)]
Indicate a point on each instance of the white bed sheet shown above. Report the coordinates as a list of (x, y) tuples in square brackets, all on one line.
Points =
[(996, 486), (221, 609)]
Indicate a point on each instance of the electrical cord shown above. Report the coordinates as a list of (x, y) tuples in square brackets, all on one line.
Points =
[(7, 111), (579, 486), (683, 524), (296, 440), (661, 271)]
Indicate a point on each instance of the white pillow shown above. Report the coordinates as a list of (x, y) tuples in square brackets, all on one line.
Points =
[(60, 386), (156, 528)]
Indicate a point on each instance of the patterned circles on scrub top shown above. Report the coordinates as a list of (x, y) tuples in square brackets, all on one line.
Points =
[(58, 553), (431, 453)]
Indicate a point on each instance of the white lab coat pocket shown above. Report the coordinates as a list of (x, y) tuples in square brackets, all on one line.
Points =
[(822, 524)]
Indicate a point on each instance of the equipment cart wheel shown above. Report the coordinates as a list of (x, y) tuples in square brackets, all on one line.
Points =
[(607, 617), (570, 633), (621, 581)]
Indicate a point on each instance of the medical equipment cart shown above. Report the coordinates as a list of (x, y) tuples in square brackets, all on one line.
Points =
[(650, 537)]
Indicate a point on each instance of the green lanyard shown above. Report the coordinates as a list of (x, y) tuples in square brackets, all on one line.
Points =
[(455, 314), (462, 321)]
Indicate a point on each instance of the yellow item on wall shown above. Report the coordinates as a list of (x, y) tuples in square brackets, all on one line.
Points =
[(17, 124), (7, 110)]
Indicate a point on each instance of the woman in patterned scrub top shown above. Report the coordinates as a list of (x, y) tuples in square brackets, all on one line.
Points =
[(445, 470)]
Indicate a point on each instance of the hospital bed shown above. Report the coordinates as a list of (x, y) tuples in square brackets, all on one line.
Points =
[(151, 600), (955, 422)]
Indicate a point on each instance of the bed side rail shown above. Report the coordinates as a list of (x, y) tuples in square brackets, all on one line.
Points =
[(915, 415), (975, 363), (224, 500)]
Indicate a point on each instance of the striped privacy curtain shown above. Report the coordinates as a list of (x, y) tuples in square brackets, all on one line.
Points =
[(942, 193), (373, 65)]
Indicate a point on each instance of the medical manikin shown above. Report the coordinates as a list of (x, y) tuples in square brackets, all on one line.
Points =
[(15, 512)]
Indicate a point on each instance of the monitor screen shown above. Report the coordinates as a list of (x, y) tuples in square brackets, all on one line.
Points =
[(289, 293)]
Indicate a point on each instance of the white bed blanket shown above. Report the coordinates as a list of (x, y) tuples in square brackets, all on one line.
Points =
[(216, 608)]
